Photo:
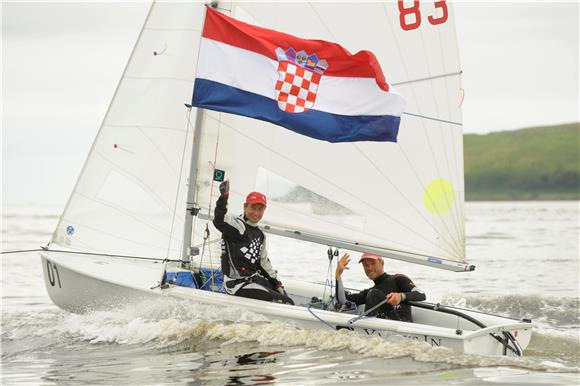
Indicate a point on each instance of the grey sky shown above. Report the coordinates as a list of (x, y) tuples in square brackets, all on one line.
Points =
[(61, 63)]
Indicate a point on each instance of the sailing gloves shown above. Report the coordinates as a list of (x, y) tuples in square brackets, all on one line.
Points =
[(225, 189), (280, 288)]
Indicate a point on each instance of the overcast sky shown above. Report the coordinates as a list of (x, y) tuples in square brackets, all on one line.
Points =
[(61, 63)]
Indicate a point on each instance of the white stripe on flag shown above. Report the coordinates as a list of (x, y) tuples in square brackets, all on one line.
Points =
[(249, 71)]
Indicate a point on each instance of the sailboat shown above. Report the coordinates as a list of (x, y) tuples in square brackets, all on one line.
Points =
[(138, 223)]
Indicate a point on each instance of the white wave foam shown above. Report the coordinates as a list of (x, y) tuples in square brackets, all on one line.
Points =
[(168, 324), (546, 311), (164, 322), (279, 334)]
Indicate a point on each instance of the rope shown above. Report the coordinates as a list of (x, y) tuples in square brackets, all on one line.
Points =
[(353, 320), (215, 155), (21, 251), (96, 254), (207, 234), (210, 261), (319, 319), (328, 282)]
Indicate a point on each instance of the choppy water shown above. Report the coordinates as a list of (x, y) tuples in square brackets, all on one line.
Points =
[(527, 267)]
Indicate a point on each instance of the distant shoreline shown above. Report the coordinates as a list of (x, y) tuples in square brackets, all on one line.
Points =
[(533, 164)]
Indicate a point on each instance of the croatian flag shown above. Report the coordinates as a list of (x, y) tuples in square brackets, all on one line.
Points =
[(312, 87)]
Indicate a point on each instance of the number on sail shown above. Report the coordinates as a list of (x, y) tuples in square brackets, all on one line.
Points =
[(404, 12), (416, 15), (439, 20)]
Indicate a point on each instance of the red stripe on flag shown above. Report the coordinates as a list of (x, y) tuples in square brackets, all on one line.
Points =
[(264, 41)]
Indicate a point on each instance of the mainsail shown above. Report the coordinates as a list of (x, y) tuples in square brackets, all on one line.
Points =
[(404, 199)]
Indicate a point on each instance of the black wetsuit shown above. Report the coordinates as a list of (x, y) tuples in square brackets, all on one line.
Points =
[(245, 264), (384, 285)]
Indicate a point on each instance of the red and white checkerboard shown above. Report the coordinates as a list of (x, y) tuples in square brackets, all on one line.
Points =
[(296, 88)]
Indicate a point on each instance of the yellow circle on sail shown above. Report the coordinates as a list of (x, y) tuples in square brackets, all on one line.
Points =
[(439, 196)]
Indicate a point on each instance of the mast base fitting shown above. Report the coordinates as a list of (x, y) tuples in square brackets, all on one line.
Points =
[(193, 210)]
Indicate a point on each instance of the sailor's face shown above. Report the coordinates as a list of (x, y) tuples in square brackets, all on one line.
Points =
[(254, 212), (373, 268)]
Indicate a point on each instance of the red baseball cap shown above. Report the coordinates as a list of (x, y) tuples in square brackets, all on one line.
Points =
[(369, 256), (256, 198)]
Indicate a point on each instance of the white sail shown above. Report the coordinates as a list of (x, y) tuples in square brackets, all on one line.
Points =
[(130, 197), (406, 196)]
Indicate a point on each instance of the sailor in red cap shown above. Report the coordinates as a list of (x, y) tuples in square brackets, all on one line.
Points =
[(395, 289), (245, 264)]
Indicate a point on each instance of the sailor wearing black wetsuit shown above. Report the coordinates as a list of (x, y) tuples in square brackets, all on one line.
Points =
[(397, 289), (245, 264)]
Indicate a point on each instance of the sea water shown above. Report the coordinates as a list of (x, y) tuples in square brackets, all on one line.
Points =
[(526, 255)]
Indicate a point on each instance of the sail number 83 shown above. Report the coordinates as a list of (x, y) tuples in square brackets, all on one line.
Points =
[(410, 16)]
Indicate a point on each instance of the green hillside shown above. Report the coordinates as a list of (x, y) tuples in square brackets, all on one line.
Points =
[(539, 163)]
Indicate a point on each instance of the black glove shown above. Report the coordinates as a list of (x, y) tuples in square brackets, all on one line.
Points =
[(225, 189)]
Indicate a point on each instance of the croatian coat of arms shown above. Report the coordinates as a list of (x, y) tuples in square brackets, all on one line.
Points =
[(299, 75)]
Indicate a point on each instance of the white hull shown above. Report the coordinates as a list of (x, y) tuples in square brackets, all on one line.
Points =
[(91, 283)]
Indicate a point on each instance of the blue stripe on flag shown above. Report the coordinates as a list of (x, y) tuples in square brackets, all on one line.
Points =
[(312, 123)]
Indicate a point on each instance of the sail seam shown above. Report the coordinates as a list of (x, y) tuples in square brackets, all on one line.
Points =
[(322, 21), (163, 156)]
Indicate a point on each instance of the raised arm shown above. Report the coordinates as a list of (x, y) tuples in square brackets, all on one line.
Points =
[(229, 226), (341, 296)]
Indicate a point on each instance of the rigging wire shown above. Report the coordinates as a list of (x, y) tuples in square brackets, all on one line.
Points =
[(44, 249), (21, 251)]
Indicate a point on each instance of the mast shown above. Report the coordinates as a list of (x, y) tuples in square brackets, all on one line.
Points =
[(191, 210)]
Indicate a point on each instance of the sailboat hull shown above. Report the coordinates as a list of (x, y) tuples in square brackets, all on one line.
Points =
[(79, 291), (100, 283)]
